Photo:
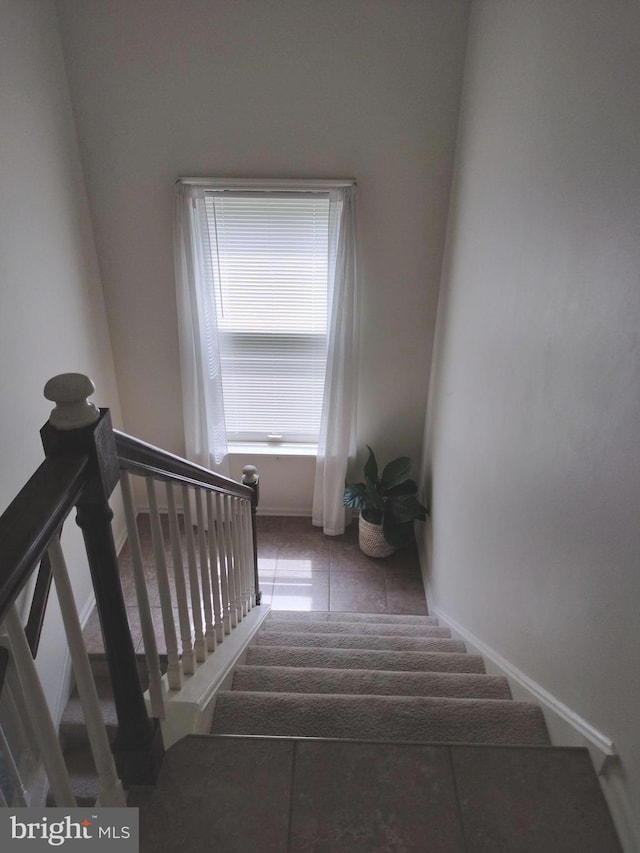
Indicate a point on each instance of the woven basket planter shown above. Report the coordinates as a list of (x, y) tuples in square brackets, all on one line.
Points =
[(372, 542)]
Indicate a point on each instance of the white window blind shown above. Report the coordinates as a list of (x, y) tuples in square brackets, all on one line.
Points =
[(269, 271)]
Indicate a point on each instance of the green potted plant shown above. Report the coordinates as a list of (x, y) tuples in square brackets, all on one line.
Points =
[(388, 506)]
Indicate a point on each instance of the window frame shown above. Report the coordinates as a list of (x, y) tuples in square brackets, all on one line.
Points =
[(239, 438)]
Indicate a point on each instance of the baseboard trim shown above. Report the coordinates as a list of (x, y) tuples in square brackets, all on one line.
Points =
[(566, 728), (565, 725), (622, 811), (601, 747), (284, 511)]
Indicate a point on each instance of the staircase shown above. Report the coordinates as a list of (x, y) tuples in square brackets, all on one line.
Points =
[(73, 731), (330, 731), (361, 732), (368, 677)]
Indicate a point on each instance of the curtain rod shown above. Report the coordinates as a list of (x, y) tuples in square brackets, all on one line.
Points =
[(269, 183)]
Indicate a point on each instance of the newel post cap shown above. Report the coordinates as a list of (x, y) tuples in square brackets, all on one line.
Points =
[(69, 391), (249, 475)]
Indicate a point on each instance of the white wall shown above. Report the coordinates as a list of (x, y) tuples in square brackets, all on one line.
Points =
[(52, 316), (285, 88), (534, 415)]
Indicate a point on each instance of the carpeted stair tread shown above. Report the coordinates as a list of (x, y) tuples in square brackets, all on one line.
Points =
[(343, 616), (381, 629), (386, 718), (100, 667), (72, 725), (82, 776), (359, 641), (280, 679), (324, 657)]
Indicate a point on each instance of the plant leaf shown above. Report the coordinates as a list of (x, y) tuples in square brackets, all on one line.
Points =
[(371, 468), (374, 499), (408, 487), (405, 508), (397, 471), (355, 495)]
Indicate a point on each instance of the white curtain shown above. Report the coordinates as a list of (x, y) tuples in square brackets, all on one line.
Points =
[(202, 399), (337, 441)]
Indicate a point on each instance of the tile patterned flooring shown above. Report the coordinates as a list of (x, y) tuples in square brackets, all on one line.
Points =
[(300, 569), (357, 797)]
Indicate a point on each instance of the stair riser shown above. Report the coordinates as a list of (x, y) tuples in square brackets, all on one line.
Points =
[(365, 682), (354, 641), (363, 659), (273, 624), (100, 667), (338, 616), (75, 734), (82, 774), (380, 718)]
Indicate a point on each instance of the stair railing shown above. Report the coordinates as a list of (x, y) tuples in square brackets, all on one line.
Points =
[(72, 475), (203, 596), (202, 529)]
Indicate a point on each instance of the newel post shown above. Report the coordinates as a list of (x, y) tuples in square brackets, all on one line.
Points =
[(77, 428), (251, 478)]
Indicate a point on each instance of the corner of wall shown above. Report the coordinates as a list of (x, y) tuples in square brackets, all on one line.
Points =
[(566, 727)]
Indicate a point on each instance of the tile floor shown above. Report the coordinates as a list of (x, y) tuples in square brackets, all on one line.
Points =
[(356, 797), (372, 798), (300, 569)]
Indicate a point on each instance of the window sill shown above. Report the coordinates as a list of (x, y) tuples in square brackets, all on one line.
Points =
[(269, 448)]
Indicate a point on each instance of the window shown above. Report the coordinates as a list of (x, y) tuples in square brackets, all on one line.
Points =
[(268, 258), (267, 293)]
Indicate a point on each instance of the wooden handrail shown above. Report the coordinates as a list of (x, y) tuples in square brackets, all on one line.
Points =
[(144, 459), (84, 459), (137, 747), (35, 622), (81, 470), (33, 518), (141, 458)]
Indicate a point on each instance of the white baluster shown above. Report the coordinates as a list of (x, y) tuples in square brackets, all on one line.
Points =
[(235, 563), (231, 561), (214, 569), (210, 631), (200, 643), (29, 761), (19, 793), (188, 654), (248, 544), (250, 478), (156, 688), (238, 547), (224, 568), (110, 786), (174, 665), (245, 551), (43, 727), (242, 556)]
